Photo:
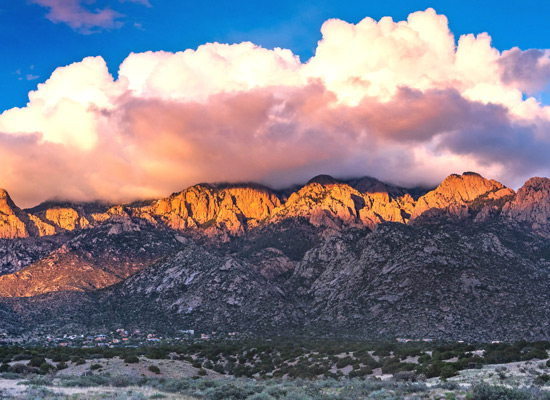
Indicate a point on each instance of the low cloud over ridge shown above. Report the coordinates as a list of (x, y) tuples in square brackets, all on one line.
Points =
[(402, 101)]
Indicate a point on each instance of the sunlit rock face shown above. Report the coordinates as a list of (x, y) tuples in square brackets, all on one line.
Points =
[(329, 203), (456, 193), (215, 209), (11, 225), (224, 211), (66, 218), (531, 206)]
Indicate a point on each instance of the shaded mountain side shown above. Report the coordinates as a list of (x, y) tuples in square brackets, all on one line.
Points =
[(461, 282), (16, 254), (531, 207), (450, 281), (195, 287), (93, 259)]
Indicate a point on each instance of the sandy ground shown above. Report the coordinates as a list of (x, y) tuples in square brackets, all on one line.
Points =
[(14, 389)]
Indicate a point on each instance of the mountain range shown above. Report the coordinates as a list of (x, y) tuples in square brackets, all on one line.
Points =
[(467, 260)]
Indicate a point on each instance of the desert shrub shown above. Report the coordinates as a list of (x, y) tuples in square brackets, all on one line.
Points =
[(405, 376), (448, 371), (157, 353), (94, 367), (94, 356), (37, 392), (261, 396), (423, 358), (201, 372), (131, 359), (21, 357), (542, 380), (39, 381), (487, 392), (535, 353), (84, 381), (502, 355), (37, 362), (4, 367), (231, 392), (432, 370), (60, 358), (219, 368), (154, 369), (62, 365), (20, 368), (120, 381)]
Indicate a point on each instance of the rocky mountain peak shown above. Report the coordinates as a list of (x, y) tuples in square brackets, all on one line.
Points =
[(6, 203), (531, 205), (323, 180), (11, 224), (216, 208), (453, 195)]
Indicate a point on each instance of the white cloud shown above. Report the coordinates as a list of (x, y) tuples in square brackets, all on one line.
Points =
[(398, 100)]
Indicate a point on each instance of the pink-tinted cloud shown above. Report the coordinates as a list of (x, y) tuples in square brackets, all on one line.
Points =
[(81, 16), (78, 17), (402, 101)]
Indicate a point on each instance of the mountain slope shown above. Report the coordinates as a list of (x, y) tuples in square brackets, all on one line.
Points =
[(93, 259), (468, 260)]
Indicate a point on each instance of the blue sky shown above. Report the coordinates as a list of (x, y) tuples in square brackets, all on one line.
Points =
[(402, 100), (33, 46)]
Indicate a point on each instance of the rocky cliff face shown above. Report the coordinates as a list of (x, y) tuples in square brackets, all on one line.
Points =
[(11, 224), (456, 194), (218, 210), (531, 206), (222, 212)]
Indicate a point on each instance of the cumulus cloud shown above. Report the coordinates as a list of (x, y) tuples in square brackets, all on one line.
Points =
[(403, 101)]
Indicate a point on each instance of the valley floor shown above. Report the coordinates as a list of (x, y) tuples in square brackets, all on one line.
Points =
[(119, 380)]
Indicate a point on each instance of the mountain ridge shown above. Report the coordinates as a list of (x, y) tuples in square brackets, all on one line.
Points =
[(224, 210), (468, 259)]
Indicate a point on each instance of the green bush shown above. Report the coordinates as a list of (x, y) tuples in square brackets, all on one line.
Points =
[(94, 367), (542, 380), (154, 369), (62, 365), (37, 362), (45, 368), (448, 371), (131, 359), (486, 392)]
